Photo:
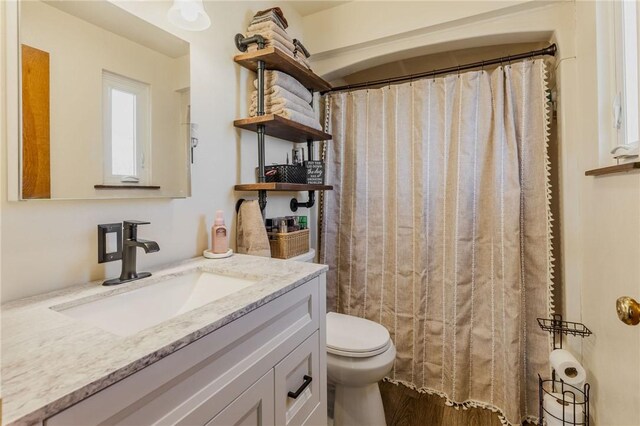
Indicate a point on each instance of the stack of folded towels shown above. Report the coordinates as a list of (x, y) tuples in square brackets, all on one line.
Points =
[(286, 97), (271, 24)]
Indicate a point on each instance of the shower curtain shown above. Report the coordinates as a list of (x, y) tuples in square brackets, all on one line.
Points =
[(439, 228)]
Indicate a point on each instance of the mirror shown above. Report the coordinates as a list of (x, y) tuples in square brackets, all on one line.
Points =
[(104, 101)]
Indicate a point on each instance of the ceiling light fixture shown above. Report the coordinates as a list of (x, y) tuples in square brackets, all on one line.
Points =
[(189, 15)]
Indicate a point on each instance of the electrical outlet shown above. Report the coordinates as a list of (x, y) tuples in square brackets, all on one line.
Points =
[(109, 242)]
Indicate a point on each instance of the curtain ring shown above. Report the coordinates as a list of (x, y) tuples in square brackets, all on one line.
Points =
[(482, 67), (458, 71), (433, 76), (509, 60)]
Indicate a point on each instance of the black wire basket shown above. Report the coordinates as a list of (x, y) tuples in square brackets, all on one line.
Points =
[(573, 401), (286, 173)]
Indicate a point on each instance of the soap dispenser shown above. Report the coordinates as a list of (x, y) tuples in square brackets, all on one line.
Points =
[(219, 237)]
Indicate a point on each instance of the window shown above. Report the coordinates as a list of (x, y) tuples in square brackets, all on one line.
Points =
[(126, 130), (626, 104)]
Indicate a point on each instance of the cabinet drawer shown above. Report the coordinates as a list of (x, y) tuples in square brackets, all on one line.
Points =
[(292, 376), (253, 408)]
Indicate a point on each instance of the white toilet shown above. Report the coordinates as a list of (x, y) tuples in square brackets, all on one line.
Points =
[(360, 353)]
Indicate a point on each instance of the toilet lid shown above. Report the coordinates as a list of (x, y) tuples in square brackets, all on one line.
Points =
[(356, 337)]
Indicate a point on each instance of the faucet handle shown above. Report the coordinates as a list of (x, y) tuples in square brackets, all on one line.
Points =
[(131, 228)]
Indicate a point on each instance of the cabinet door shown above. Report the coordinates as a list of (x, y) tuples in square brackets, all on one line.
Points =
[(297, 384), (254, 407)]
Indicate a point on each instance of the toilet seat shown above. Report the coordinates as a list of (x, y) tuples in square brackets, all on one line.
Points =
[(355, 337)]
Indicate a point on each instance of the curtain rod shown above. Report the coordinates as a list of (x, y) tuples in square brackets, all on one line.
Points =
[(549, 50)]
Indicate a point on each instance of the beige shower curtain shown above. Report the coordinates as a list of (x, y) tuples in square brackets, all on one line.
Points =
[(439, 228)]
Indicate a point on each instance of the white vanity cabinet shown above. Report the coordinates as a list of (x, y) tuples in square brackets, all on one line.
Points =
[(240, 374)]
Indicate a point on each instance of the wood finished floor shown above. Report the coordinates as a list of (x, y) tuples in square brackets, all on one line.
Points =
[(406, 407)]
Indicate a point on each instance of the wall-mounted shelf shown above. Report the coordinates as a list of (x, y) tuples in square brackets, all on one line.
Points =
[(126, 186), (274, 125), (619, 168), (274, 59), (282, 128), (281, 186)]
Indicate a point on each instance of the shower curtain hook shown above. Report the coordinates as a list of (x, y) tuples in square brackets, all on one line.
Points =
[(482, 66), (433, 75), (509, 60), (458, 70)]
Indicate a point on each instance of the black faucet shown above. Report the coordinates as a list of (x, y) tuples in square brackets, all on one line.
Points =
[(130, 244)]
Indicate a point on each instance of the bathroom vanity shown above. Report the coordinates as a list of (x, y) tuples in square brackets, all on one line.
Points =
[(251, 352)]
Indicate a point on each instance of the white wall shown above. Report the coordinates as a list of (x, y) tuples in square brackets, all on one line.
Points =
[(48, 245)]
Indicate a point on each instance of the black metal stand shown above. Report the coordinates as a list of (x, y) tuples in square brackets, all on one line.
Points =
[(242, 44), (565, 394)]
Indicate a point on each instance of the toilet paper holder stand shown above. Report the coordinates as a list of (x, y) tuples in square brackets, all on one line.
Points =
[(573, 400)]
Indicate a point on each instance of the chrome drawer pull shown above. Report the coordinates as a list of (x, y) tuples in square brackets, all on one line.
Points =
[(296, 394)]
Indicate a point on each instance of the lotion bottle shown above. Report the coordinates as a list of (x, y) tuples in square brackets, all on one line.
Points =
[(219, 238)]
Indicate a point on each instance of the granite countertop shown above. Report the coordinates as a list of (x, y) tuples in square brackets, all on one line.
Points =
[(51, 361)]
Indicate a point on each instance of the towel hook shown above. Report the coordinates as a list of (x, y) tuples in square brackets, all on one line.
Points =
[(238, 204)]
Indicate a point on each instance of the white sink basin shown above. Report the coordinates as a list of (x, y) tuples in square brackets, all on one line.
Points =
[(127, 313)]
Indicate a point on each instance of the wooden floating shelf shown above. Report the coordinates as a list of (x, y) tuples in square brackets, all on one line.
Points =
[(282, 128), (126, 186), (275, 59), (619, 168), (281, 186)]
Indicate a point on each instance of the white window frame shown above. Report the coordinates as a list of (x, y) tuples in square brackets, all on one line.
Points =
[(111, 81), (621, 79)]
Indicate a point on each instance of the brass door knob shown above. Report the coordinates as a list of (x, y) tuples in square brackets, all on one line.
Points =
[(628, 310)]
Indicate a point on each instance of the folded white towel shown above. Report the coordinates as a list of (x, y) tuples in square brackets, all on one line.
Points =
[(271, 16), (279, 95), (272, 43), (300, 118), (262, 27), (276, 107), (278, 78), (273, 36)]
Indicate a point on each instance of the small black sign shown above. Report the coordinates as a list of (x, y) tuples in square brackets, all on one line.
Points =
[(315, 172)]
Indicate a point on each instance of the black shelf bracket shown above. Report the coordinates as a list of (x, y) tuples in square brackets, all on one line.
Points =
[(294, 204), (242, 42)]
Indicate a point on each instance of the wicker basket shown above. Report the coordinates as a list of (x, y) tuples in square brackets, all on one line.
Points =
[(290, 244)]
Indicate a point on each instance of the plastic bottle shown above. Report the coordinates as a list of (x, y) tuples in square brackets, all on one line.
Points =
[(219, 238)]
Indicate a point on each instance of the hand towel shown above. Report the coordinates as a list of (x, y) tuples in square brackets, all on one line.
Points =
[(273, 36), (300, 47), (251, 235), (279, 94), (262, 27), (276, 11), (278, 78), (301, 59)]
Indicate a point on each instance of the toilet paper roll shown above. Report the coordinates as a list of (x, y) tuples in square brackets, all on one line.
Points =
[(555, 406), (568, 368)]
